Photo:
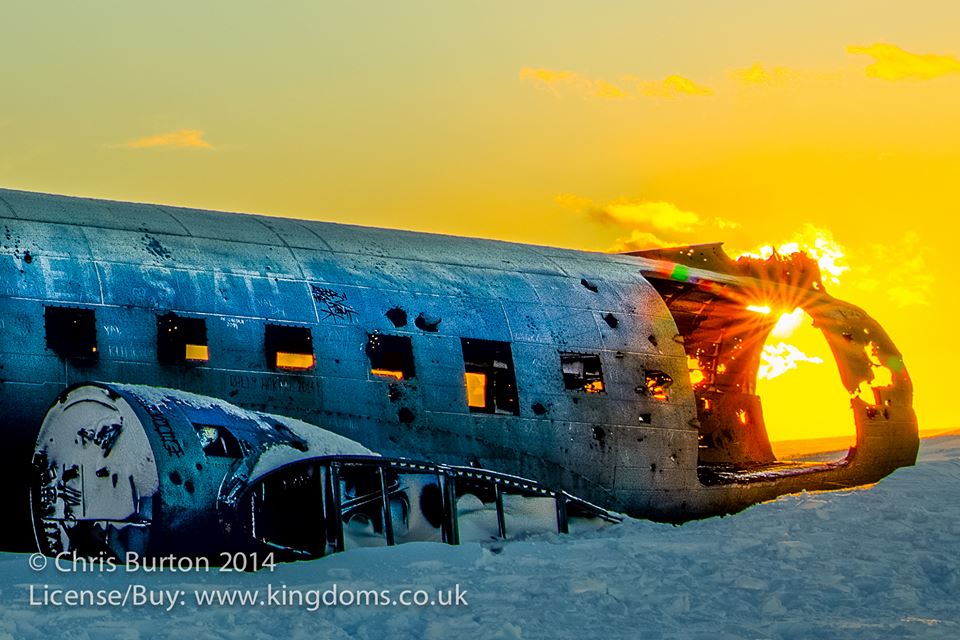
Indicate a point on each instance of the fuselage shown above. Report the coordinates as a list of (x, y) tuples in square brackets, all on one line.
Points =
[(581, 378)]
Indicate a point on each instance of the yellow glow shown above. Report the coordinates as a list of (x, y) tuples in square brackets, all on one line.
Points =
[(696, 374), (299, 361), (198, 352), (742, 416), (594, 386), (759, 309), (476, 389), (387, 373)]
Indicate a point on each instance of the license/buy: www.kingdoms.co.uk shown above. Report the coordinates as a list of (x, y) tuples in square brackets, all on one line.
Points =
[(138, 595)]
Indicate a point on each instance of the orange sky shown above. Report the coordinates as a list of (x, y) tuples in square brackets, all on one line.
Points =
[(609, 126)]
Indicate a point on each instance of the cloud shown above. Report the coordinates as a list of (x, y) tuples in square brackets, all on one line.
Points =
[(671, 87), (556, 80), (659, 215), (758, 74), (627, 87), (574, 202), (638, 241), (723, 224), (663, 216), (608, 90), (651, 224), (548, 76), (777, 359), (890, 62), (182, 139)]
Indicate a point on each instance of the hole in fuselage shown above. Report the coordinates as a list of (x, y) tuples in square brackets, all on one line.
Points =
[(739, 352), (805, 405), (722, 339)]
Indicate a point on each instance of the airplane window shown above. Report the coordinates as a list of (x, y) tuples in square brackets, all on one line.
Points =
[(390, 356), (72, 333), (289, 348), (218, 441), (489, 377), (581, 371), (181, 340)]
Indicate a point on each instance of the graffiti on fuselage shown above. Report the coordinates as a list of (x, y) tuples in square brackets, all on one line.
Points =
[(162, 426), (303, 385), (334, 303)]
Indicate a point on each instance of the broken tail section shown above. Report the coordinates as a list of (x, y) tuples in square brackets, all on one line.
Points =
[(714, 301)]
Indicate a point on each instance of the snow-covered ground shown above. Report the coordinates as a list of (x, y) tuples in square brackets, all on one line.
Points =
[(877, 563)]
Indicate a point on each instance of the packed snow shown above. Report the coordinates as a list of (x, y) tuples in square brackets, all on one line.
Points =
[(877, 563)]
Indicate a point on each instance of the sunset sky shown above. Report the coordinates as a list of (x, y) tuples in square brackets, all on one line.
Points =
[(597, 126)]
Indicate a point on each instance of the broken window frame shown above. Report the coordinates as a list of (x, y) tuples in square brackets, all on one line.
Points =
[(391, 356), (588, 379), (71, 333), (493, 360), (226, 445), (657, 384), (181, 339), (289, 347)]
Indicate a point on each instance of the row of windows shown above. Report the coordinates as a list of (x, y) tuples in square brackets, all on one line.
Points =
[(488, 364)]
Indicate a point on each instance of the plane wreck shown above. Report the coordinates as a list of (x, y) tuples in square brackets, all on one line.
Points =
[(168, 373)]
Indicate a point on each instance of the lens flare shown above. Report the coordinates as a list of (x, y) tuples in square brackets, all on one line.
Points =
[(764, 309), (788, 323)]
